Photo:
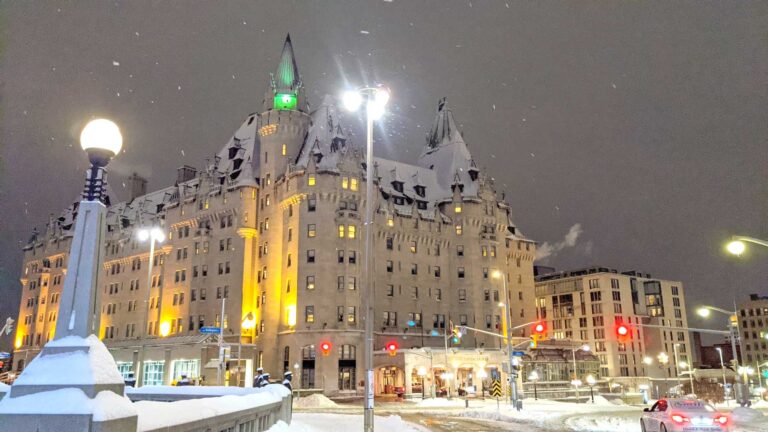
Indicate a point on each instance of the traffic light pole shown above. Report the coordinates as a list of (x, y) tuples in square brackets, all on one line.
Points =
[(512, 372)]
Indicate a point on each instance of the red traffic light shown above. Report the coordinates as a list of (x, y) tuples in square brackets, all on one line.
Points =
[(622, 330), (325, 347), (392, 347), (539, 328), (623, 333)]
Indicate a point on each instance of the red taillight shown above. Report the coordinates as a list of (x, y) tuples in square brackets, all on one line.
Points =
[(679, 419), (721, 420)]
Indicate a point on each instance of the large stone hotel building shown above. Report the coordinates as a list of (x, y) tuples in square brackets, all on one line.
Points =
[(267, 241)]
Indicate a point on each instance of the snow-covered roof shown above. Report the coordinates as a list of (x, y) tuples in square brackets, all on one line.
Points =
[(239, 158), (326, 140)]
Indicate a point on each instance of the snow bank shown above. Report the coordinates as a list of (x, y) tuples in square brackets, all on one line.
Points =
[(342, 422), (157, 415), (4, 387), (745, 415), (105, 406), (314, 401), (95, 366), (600, 423)]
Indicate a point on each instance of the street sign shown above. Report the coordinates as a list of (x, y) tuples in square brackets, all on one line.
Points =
[(496, 388), (518, 353), (5, 355), (210, 330)]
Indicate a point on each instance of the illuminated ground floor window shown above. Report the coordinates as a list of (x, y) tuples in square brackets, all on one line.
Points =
[(190, 368), (153, 373)]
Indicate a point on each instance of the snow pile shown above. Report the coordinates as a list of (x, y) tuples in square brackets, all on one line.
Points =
[(158, 415), (93, 365), (105, 406), (603, 423), (342, 422), (746, 415), (4, 387), (314, 401), (599, 400)]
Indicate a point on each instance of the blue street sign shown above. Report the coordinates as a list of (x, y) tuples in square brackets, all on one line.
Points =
[(411, 323), (213, 330), (518, 353), (434, 333), (5, 355)]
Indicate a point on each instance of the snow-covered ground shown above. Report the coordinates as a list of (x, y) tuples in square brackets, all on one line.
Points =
[(306, 422)]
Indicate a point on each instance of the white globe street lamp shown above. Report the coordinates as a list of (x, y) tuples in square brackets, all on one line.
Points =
[(376, 99), (102, 140)]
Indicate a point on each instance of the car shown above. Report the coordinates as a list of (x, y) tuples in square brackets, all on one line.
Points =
[(683, 415)]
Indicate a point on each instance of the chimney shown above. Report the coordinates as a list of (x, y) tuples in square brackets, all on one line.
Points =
[(138, 185), (185, 173)]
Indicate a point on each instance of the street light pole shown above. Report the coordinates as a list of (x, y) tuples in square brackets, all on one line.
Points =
[(722, 369), (508, 315), (375, 100)]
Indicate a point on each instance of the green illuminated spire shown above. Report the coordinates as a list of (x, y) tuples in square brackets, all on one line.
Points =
[(285, 91), (287, 75)]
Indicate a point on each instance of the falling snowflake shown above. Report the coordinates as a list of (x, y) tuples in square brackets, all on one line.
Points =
[(182, 153), (365, 32), (524, 119), (137, 33), (118, 94), (613, 85), (494, 107), (178, 88), (533, 155), (507, 4)]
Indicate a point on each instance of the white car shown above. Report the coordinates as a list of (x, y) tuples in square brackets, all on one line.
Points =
[(683, 415)]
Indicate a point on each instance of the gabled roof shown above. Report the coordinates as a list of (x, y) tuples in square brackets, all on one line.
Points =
[(326, 139), (447, 154), (239, 158)]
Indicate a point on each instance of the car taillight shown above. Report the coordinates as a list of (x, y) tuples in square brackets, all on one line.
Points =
[(677, 418), (721, 420)]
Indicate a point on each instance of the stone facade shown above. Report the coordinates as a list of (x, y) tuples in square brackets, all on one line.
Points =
[(753, 326), (274, 226), (587, 306)]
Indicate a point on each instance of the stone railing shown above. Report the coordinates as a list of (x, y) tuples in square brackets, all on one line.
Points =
[(256, 418)]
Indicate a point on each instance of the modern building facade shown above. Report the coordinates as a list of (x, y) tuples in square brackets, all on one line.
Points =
[(753, 326), (588, 306), (266, 242)]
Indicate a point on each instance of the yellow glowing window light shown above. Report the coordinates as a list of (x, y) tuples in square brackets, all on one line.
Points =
[(341, 231), (458, 229), (290, 315), (353, 183), (345, 182), (284, 150), (165, 328), (457, 209), (390, 221), (311, 180), (351, 231)]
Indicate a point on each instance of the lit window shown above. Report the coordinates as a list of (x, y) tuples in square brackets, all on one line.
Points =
[(351, 231), (345, 182), (284, 149), (290, 315), (353, 183), (458, 229), (390, 221), (341, 231), (311, 180), (457, 209)]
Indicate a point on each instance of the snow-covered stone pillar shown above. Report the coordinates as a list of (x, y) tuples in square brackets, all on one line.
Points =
[(79, 308)]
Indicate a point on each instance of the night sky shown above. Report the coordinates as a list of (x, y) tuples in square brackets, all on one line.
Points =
[(626, 134)]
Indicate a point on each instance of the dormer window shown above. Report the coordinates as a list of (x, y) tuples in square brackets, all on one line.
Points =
[(420, 190), (422, 205), (399, 201), (398, 185)]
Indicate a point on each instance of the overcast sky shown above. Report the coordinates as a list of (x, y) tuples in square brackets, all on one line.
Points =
[(626, 134)]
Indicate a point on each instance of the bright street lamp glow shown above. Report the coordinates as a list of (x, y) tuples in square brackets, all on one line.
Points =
[(585, 348), (533, 376), (591, 380), (101, 134), (684, 365), (496, 274), (351, 100), (382, 97), (375, 111), (165, 328), (155, 234), (736, 247), (647, 360), (703, 312)]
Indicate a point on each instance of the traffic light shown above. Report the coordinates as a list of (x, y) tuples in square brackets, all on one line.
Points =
[(392, 347), (538, 333), (456, 332), (325, 348), (623, 333)]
